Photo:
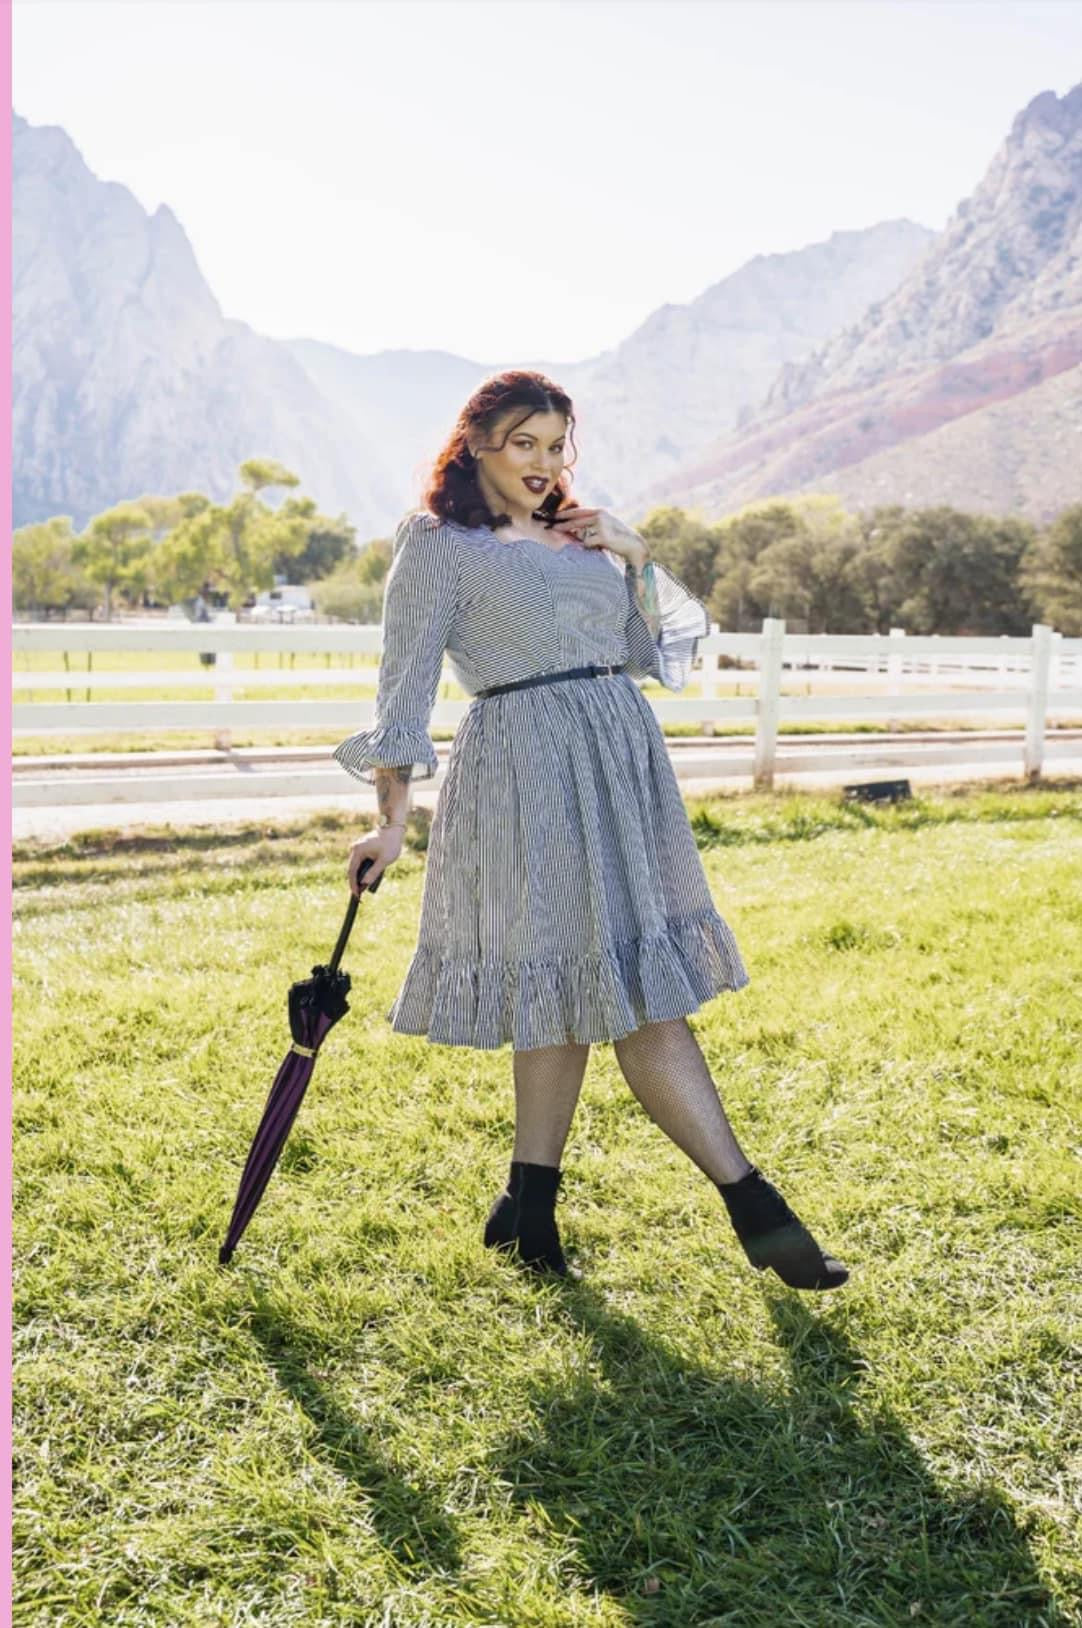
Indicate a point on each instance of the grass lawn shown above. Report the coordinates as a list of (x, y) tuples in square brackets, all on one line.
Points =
[(370, 1419)]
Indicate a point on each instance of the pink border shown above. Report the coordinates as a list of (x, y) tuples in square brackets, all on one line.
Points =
[(5, 599)]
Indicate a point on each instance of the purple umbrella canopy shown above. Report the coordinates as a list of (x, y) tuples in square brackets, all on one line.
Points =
[(315, 1006)]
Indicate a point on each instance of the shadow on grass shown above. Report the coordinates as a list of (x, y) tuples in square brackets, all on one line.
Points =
[(694, 1498), (227, 858), (789, 813), (406, 1519), (115, 845)]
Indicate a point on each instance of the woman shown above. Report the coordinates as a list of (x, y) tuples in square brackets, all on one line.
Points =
[(564, 901)]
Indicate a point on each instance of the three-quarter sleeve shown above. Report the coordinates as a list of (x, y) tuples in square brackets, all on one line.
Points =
[(419, 603), (682, 620)]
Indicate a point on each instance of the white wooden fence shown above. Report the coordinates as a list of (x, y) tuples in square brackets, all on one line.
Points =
[(893, 677)]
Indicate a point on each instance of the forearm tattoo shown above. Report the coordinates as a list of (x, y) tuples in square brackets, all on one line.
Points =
[(646, 594), (388, 780)]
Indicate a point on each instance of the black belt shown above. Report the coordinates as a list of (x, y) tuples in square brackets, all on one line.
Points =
[(592, 671)]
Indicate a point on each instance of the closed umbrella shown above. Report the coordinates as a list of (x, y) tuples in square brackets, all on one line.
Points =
[(315, 1006)]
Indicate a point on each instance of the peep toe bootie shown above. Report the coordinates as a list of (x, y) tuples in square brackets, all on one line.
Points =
[(522, 1221), (773, 1236)]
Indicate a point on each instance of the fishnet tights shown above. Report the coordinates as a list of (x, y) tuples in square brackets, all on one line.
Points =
[(663, 1065), (548, 1080)]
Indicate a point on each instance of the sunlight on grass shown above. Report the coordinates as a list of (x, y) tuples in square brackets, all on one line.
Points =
[(369, 1419)]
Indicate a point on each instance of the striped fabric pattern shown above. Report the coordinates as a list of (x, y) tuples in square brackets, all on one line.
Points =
[(564, 897)]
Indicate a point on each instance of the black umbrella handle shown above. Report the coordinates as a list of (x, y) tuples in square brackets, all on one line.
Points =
[(351, 912)]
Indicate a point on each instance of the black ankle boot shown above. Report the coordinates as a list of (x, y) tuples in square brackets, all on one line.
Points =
[(773, 1236), (523, 1220)]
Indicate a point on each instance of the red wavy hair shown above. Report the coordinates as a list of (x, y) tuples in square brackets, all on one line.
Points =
[(452, 490)]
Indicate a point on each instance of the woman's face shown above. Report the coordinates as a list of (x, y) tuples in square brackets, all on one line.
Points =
[(534, 448)]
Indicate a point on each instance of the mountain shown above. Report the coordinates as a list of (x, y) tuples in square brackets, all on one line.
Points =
[(127, 378), (662, 394), (683, 376), (886, 364), (963, 385), (403, 401)]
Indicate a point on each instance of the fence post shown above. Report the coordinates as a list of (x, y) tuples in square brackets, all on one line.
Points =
[(709, 685), (1037, 713), (894, 659), (894, 667), (223, 689), (768, 707)]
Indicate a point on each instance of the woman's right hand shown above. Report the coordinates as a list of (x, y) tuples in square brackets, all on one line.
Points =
[(382, 846)]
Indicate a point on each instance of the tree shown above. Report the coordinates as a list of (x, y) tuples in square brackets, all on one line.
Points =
[(349, 595), (164, 515), (328, 543), (114, 551), (185, 560), (1051, 572), (935, 570), (233, 547), (869, 572), (806, 579), (44, 577), (374, 560), (686, 544), (957, 573), (736, 603)]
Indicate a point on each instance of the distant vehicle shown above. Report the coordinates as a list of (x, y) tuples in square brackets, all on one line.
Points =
[(289, 602)]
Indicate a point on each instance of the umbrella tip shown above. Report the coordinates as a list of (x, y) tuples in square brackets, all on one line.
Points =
[(225, 1255)]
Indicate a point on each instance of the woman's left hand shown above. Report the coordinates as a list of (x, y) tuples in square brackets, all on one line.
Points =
[(597, 528)]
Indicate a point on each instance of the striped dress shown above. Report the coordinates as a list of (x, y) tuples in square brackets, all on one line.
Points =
[(564, 898)]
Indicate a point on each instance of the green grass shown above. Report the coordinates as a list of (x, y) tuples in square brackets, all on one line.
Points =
[(369, 1419)]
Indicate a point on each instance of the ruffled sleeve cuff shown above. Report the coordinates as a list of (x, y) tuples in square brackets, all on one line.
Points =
[(666, 650), (388, 746)]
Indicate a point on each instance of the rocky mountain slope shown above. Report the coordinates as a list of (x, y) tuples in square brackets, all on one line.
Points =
[(686, 373), (887, 364), (646, 407), (989, 316), (127, 378)]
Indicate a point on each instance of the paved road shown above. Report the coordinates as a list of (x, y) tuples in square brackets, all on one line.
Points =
[(703, 766)]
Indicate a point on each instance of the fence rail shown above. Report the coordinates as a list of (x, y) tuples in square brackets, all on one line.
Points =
[(898, 676)]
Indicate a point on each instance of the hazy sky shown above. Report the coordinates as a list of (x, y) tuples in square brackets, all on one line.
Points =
[(525, 180)]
